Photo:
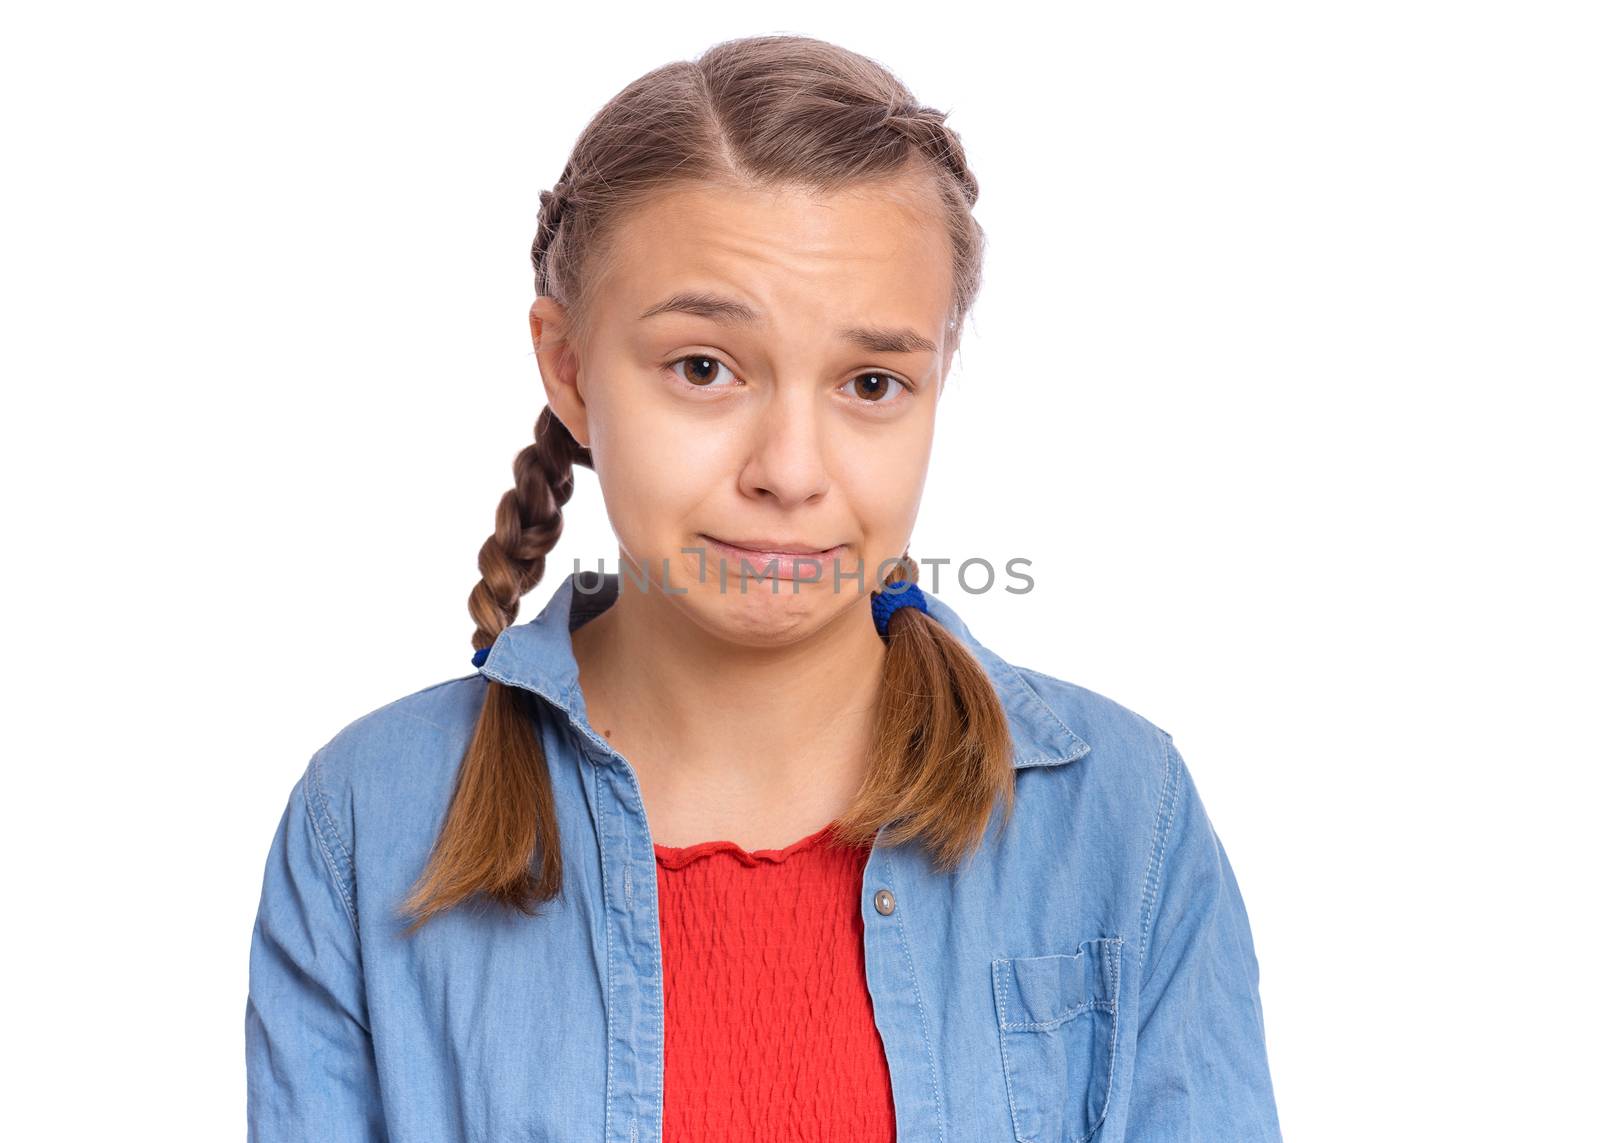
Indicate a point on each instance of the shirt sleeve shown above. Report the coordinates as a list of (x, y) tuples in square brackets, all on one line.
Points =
[(309, 1062), (1200, 1061)]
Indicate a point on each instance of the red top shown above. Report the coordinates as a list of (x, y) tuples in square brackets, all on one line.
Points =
[(770, 1033)]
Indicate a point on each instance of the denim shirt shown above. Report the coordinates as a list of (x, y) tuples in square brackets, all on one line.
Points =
[(1088, 974)]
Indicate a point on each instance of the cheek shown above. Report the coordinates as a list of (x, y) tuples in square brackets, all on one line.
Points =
[(654, 469), (884, 486)]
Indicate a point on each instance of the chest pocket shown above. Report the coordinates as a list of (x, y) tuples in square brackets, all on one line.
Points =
[(1058, 1039)]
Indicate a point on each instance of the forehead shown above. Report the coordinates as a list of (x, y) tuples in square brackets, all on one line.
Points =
[(876, 251)]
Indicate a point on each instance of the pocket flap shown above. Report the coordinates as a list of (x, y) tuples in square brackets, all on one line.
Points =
[(1040, 992)]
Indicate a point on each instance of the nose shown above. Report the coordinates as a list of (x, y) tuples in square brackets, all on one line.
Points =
[(787, 458)]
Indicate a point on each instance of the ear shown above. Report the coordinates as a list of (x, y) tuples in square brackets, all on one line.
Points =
[(558, 366)]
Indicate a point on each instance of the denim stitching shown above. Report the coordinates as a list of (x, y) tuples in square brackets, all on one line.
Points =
[(1002, 970), (1001, 976), (333, 826), (611, 973), (1115, 944), (1021, 673), (346, 894), (661, 978), (1076, 1009), (1165, 807), (1070, 1014), (922, 1015)]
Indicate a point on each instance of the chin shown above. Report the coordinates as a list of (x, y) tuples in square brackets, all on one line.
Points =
[(765, 612)]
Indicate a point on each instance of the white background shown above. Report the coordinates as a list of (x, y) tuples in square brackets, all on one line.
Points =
[(1283, 376)]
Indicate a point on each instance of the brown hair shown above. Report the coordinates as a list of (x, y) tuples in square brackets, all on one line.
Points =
[(781, 111)]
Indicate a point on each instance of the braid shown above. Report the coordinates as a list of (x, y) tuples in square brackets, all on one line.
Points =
[(925, 128), (527, 525), (553, 204)]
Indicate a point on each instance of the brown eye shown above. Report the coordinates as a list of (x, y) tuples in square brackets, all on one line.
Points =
[(873, 386), (700, 370)]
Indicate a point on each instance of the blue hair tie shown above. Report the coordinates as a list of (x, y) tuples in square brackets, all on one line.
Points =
[(480, 655), (892, 598)]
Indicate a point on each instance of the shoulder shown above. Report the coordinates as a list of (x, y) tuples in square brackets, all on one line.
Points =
[(1128, 802), (406, 751), (1133, 781), (409, 729), (1117, 797)]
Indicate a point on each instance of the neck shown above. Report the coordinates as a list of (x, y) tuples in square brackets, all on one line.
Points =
[(725, 734)]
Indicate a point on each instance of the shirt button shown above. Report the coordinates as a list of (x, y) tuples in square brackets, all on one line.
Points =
[(883, 901)]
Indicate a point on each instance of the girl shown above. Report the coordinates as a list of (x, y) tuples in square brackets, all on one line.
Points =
[(752, 840)]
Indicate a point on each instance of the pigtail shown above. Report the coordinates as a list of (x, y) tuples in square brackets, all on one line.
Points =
[(941, 747), (500, 836)]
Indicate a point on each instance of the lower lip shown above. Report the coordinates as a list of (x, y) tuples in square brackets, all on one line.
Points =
[(773, 565)]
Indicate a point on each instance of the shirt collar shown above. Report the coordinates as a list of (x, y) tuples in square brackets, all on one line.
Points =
[(537, 656)]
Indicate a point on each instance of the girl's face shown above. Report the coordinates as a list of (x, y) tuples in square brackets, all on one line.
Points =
[(763, 369)]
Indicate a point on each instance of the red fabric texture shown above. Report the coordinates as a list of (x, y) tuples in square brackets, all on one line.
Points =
[(769, 1024)]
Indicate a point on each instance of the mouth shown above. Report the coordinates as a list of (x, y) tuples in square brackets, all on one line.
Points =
[(776, 559), (772, 547)]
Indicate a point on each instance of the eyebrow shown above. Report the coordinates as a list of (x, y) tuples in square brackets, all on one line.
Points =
[(874, 339)]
